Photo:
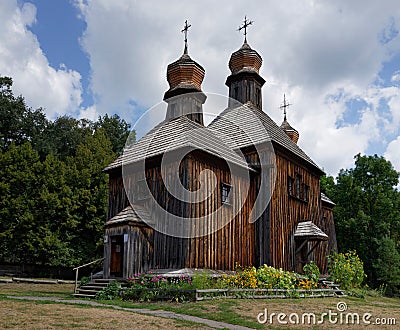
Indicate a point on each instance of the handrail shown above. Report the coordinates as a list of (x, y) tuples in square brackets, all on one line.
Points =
[(76, 269)]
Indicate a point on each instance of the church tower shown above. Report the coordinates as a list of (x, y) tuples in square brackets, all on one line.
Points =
[(184, 96), (245, 81)]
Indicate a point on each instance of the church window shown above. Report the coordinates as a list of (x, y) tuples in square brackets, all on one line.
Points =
[(236, 92), (225, 190), (248, 92), (258, 97), (290, 185), (297, 188)]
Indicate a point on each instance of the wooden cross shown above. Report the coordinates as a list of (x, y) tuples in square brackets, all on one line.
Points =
[(284, 106), (246, 23), (185, 30)]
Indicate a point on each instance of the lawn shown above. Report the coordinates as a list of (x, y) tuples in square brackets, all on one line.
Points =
[(40, 315)]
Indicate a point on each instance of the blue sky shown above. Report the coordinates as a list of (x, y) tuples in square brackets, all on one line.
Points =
[(338, 62)]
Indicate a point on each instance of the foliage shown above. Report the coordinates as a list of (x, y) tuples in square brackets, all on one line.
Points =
[(53, 193), (149, 287), (84, 280), (367, 216), (203, 280), (117, 130), (111, 292), (307, 284), (387, 266), (245, 278), (270, 277), (346, 269), (312, 272)]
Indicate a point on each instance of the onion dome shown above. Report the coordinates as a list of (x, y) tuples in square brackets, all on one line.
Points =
[(285, 126), (245, 82), (184, 96), (290, 131), (184, 76), (245, 59)]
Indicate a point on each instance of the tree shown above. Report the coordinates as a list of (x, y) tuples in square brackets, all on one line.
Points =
[(90, 191), (367, 214), (18, 123), (53, 191), (63, 136), (117, 130)]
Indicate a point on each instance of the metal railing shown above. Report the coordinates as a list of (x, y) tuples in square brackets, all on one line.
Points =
[(76, 269)]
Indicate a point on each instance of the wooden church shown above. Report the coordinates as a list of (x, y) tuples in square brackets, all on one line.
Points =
[(239, 190)]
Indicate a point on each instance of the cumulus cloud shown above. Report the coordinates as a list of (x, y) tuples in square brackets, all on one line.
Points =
[(322, 55), (58, 90), (393, 154)]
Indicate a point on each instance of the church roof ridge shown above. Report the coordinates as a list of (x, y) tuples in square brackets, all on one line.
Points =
[(244, 117), (175, 134)]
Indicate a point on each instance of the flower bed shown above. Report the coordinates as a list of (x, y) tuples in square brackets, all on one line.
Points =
[(248, 282)]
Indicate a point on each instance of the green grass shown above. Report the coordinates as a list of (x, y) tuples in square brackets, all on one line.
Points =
[(233, 311)]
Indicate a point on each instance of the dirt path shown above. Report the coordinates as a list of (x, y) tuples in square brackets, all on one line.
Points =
[(157, 313)]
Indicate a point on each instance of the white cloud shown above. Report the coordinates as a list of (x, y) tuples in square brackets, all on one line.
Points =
[(89, 113), (396, 77), (321, 54), (393, 153), (56, 90), (311, 50)]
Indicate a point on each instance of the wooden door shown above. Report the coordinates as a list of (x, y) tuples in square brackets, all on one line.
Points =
[(117, 256)]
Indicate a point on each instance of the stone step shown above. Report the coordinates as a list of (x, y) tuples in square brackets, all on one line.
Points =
[(90, 291), (93, 287), (104, 280), (84, 295)]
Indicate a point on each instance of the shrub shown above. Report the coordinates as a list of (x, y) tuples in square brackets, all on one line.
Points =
[(149, 287), (312, 272), (112, 291), (269, 277), (203, 281), (307, 284), (346, 269), (84, 280), (243, 279)]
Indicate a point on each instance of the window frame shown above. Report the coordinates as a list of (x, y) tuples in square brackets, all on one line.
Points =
[(226, 197)]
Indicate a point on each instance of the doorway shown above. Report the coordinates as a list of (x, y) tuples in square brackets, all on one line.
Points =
[(117, 256)]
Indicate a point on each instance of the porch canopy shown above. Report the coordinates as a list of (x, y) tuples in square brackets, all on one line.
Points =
[(307, 231)]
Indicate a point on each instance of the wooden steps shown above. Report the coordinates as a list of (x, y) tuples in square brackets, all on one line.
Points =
[(335, 287), (89, 290)]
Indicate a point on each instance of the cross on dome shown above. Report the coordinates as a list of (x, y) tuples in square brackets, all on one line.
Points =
[(185, 31), (246, 23), (285, 105)]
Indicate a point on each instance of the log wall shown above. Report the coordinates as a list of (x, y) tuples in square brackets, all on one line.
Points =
[(287, 211), (269, 240)]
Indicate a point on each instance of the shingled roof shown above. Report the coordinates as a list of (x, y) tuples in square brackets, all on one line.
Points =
[(309, 230), (245, 125), (173, 135), (131, 214), (326, 199)]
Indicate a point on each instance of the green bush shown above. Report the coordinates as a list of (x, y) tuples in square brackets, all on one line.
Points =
[(84, 280), (150, 287), (312, 272), (204, 281), (346, 269), (269, 277), (111, 292)]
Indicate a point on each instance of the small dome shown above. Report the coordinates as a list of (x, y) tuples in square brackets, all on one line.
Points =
[(245, 59), (184, 75), (290, 131)]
